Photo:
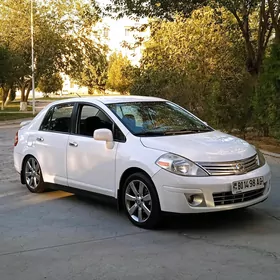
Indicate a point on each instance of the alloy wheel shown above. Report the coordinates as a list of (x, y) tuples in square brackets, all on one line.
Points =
[(32, 173), (138, 201)]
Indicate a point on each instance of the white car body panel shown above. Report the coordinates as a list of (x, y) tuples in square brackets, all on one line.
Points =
[(93, 167), (172, 190), (202, 147)]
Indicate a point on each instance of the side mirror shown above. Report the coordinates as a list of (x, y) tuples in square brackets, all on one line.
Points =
[(106, 135)]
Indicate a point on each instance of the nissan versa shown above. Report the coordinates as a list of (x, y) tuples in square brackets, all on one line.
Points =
[(149, 154)]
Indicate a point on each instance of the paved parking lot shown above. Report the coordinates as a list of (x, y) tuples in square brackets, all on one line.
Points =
[(57, 235)]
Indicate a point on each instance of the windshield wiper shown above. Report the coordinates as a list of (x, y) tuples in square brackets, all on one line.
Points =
[(187, 131), (171, 132), (150, 133)]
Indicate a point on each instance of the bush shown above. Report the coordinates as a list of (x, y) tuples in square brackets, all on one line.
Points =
[(199, 64), (266, 101)]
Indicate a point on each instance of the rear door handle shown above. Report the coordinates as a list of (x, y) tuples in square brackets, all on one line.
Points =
[(73, 144), (41, 139)]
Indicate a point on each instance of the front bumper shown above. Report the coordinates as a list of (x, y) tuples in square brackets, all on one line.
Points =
[(173, 190)]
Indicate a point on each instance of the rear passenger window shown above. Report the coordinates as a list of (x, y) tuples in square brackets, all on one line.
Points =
[(58, 118)]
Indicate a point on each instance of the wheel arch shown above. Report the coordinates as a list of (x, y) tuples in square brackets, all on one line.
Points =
[(26, 157), (125, 175)]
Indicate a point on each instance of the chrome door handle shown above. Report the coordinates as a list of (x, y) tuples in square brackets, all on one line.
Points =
[(73, 144), (41, 139)]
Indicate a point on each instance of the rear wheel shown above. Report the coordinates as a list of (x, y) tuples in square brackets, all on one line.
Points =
[(141, 202), (33, 176)]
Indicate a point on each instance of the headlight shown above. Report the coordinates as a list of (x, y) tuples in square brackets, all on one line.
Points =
[(180, 165), (260, 157)]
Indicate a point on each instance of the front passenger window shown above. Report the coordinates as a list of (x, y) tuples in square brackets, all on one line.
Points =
[(92, 118)]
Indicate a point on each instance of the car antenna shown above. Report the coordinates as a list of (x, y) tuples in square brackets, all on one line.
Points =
[(78, 94)]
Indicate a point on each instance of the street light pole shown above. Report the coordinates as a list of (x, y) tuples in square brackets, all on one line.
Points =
[(32, 58)]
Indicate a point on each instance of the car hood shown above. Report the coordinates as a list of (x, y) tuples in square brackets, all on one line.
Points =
[(211, 146)]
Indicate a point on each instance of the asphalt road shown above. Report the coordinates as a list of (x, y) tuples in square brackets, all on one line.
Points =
[(57, 235)]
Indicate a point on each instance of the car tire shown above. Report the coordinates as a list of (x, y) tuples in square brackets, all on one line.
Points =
[(141, 202), (32, 175)]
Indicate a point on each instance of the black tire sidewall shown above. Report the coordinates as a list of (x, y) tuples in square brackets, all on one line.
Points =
[(40, 188), (155, 217)]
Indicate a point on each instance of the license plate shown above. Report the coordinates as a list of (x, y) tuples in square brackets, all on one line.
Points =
[(247, 185)]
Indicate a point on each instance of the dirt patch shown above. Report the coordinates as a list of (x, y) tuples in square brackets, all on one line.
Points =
[(268, 144)]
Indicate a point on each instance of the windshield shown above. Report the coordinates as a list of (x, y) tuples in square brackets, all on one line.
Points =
[(157, 118)]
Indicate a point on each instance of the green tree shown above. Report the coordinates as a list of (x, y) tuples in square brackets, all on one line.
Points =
[(252, 16), (267, 98), (7, 62), (155, 8), (199, 63), (92, 72), (274, 10), (120, 73), (58, 37), (50, 84)]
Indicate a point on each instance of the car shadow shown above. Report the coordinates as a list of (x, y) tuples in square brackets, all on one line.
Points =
[(217, 221), (103, 210)]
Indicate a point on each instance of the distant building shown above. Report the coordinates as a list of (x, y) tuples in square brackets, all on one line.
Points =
[(120, 36), (69, 86)]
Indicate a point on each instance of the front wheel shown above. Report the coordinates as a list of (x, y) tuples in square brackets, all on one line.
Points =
[(33, 176), (141, 201)]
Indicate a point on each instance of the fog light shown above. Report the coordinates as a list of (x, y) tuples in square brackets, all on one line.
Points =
[(195, 199)]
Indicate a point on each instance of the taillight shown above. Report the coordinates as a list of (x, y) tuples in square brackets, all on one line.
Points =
[(16, 139)]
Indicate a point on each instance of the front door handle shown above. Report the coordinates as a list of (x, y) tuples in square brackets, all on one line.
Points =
[(41, 139), (73, 144)]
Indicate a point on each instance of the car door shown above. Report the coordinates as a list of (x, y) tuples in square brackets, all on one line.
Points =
[(90, 164), (51, 142)]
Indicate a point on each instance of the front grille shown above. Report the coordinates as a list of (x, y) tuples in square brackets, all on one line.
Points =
[(237, 167), (225, 198)]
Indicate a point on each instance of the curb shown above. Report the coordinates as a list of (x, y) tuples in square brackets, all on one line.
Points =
[(270, 154), (14, 122)]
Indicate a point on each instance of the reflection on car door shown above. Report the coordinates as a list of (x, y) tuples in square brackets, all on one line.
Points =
[(51, 141), (90, 165)]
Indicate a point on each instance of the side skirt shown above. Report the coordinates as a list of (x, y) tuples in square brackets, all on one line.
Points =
[(86, 194)]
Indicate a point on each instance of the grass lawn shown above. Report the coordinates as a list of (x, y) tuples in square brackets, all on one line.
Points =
[(55, 98), (11, 112), (14, 116), (14, 107)]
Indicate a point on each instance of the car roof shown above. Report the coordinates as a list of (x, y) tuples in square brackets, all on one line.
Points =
[(113, 99)]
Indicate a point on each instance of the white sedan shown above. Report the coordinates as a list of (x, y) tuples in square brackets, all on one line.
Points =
[(148, 154)]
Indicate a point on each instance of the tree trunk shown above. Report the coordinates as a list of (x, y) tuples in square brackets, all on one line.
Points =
[(23, 106), (8, 97), (274, 9), (4, 97), (28, 91), (266, 131), (22, 90), (24, 95)]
